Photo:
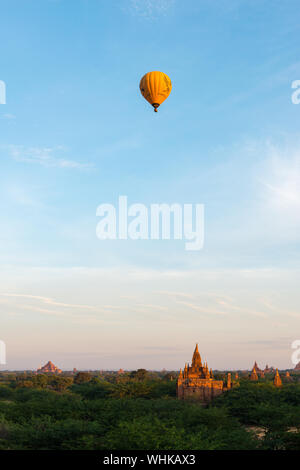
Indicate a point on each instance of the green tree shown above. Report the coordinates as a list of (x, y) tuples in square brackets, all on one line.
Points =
[(140, 374), (82, 377), (61, 383)]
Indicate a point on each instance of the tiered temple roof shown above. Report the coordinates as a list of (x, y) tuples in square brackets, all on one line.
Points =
[(197, 370), (196, 381), (261, 372), (49, 368)]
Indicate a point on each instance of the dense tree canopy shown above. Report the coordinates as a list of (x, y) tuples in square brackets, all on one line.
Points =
[(133, 412)]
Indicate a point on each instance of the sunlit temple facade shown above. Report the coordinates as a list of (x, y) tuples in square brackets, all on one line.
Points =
[(196, 382)]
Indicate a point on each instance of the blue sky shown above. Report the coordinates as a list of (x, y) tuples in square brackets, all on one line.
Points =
[(75, 132)]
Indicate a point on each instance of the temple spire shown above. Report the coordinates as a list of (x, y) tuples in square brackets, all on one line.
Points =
[(253, 375), (229, 383), (196, 381), (196, 361), (277, 379)]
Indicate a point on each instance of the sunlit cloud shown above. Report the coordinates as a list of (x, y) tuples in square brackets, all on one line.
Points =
[(47, 300), (75, 302)]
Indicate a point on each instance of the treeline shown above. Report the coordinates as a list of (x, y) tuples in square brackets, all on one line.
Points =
[(138, 411)]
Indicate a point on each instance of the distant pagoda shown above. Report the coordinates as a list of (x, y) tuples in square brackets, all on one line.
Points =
[(268, 370), (297, 367), (277, 379), (288, 377), (49, 368), (254, 375), (258, 372), (258, 369)]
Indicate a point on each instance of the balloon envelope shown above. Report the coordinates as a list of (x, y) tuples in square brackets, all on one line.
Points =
[(155, 88)]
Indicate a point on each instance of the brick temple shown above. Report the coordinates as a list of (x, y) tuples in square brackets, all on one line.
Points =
[(196, 382), (49, 368)]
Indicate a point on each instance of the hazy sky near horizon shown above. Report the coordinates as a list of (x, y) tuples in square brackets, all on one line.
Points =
[(75, 133)]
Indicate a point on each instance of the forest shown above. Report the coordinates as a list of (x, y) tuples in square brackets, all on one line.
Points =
[(139, 411)]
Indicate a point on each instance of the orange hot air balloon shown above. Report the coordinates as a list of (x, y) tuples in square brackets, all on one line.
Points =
[(155, 88)]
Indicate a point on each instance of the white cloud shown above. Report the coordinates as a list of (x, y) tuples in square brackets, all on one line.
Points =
[(264, 212), (151, 8), (8, 116), (45, 156), (47, 300), (282, 179), (201, 309)]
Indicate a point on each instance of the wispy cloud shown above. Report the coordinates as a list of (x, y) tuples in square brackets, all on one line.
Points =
[(282, 178), (73, 312), (151, 8), (22, 195), (210, 302), (175, 294), (45, 156), (153, 307), (200, 309), (8, 116), (47, 300), (86, 306)]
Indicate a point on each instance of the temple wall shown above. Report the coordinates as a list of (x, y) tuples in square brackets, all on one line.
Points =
[(202, 391)]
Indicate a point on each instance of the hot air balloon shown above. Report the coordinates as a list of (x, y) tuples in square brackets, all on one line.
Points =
[(155, 88)]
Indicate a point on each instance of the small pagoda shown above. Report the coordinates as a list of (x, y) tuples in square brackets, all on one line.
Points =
[(277, 379), (254, 376), (49, 368)]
